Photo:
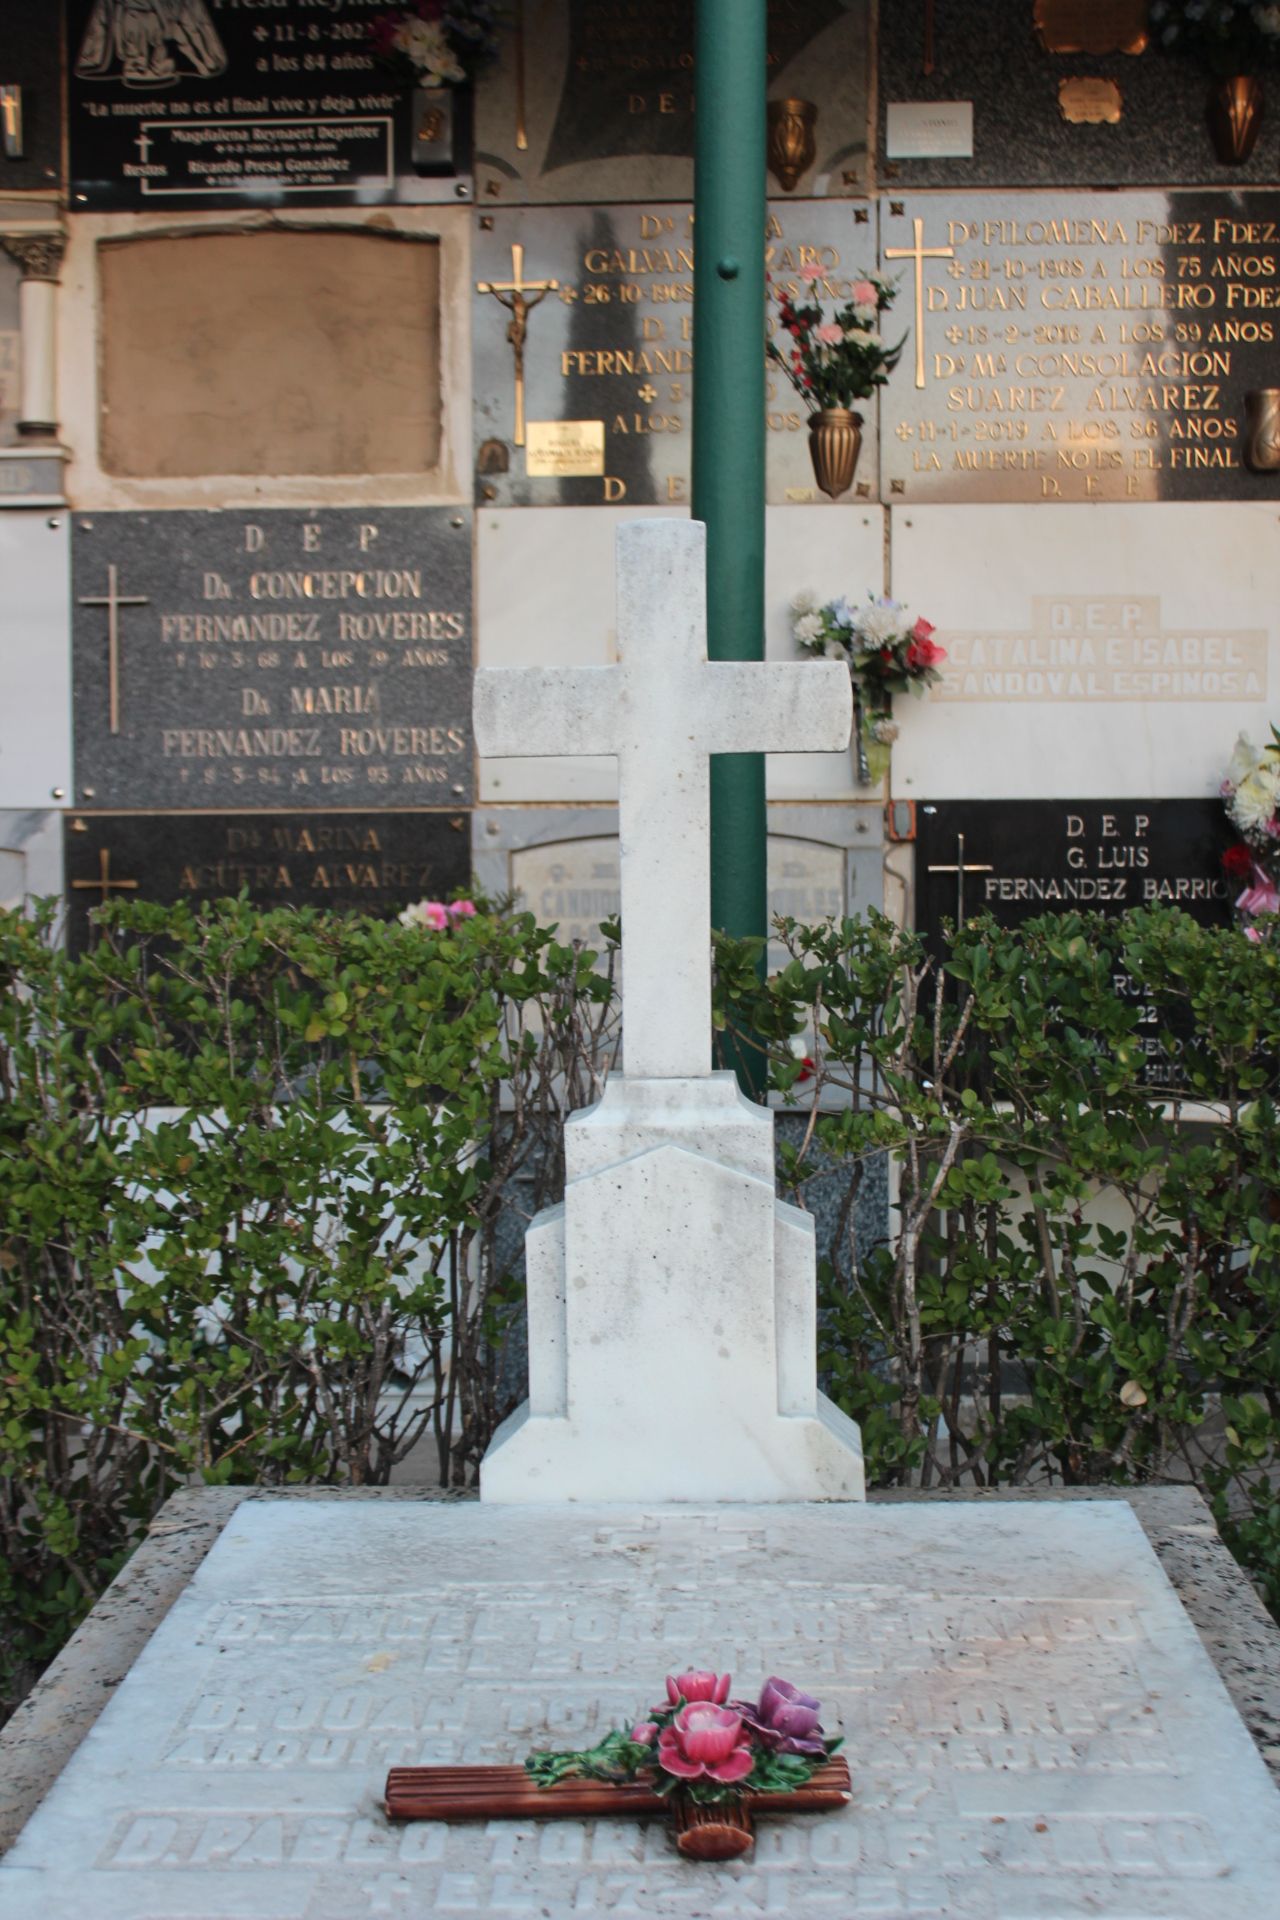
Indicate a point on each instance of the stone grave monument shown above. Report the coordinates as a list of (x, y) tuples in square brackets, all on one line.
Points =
[(671, 1258)]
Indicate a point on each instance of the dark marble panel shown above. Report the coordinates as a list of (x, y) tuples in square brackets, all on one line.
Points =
[(987, 51), (278, 658), (348, 862), (31, 58)]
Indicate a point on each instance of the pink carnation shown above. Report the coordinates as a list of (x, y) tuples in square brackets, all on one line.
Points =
[(810, 272), (864, 294), (461, 909), (830, 333)]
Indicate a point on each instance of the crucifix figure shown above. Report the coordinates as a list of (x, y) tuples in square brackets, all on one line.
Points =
[(919, 253), (663, 711), (515, 289), (960, 867), (113, 600), (104, 884)]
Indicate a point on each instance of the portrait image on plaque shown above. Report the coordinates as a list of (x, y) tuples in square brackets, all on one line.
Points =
[(194, 103), (372, 863), (1066, 348), (239, 659), (593, 100), (583, 349)]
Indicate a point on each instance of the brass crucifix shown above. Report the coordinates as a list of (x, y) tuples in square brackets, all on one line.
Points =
[(959, 868), (919, 253), (113, 600), (104, 884), (519, 308)]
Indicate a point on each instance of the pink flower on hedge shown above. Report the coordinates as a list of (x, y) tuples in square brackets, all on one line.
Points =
[(831, 333), (461, 909), (697, 1685), (863, 294), (705, 1741)]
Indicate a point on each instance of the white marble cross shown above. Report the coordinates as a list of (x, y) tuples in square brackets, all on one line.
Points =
[(663, 711)]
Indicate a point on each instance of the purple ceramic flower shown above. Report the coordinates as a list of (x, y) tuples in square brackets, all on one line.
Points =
[(785, 1719)]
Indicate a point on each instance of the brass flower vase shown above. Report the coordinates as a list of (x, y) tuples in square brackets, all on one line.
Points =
[(712, 1833), (1234, 114), (791, 147), (1262, 429), (835, 440)]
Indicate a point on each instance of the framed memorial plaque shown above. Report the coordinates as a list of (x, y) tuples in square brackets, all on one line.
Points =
[(241, 659), (373, 863), (1066, 348), (196, 103), (583, 343)]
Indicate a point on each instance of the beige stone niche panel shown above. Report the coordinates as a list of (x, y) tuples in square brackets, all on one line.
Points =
[(318, 358), (270, 352)]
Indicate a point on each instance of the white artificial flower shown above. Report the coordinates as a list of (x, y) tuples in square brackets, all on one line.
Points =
[(836, 650), (805, 601), (860, 336), (425, 43), (807, 628), (878, 626), (1254, 801), (1243, 760)]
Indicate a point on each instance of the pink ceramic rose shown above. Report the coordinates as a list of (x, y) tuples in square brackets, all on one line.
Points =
[(697, 1685), (705, 1741)]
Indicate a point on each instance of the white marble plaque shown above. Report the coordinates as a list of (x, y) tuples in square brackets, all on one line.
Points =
[(30, 857), (35, 659), (545, 597), (1033, 1725), (1095, 651)]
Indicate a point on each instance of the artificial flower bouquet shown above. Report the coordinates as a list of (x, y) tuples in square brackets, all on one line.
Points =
[(704, 1747), (437, 915), (438, 43), (1251, 793), (886, 653), (835, 362)]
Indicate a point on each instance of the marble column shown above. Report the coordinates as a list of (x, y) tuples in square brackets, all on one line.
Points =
[(40, 257)]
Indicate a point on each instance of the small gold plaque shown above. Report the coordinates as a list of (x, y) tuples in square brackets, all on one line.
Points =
[(1089, 101), (1092, 26), (561, 449)]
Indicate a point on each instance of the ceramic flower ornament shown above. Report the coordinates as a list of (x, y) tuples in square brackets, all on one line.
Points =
[(705, 1741)]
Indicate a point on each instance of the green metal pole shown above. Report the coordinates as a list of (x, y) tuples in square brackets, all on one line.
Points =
[(729, 428)]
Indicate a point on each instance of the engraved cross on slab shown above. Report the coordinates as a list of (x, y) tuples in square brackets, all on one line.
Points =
[(919, 253), (663, 711), (960, 867), (113, 600)]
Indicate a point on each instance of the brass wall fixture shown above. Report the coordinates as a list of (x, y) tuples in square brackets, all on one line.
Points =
[(1092, 26), (11, 121), (791, 142), (1262, 429)]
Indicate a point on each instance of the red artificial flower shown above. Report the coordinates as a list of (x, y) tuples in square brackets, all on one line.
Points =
[(923, 653), (1237, 862)]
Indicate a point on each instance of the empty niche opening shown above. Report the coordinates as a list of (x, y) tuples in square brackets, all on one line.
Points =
[(281, 352)]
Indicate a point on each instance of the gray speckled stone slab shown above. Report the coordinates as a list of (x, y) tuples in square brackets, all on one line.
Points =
[(1034, 1726), (987, 51)]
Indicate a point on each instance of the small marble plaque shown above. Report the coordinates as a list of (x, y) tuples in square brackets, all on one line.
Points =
[(30, 857), (236, 659), (916, 128), (35, 659)]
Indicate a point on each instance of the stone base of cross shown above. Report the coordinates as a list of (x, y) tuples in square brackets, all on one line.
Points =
[(672, 1297)]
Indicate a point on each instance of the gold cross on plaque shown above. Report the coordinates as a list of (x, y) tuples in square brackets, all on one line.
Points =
[(919, 253), (522, 132), (959, 868), (519, 308), (104, 884), (113, 600)]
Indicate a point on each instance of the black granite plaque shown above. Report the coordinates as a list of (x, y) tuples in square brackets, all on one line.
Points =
[(1070, 348), (591, 404), (238, 659), (351, 862), (204, 103), (593, 99), (990, 54), (1020, 859), (31, 58)]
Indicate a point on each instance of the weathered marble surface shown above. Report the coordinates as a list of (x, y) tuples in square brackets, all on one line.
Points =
[(1035, 1727)]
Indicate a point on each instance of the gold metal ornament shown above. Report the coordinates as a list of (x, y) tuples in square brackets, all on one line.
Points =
[(791, 143), (1235, 117), (1092, 26), (1262, 429), (835, 440), (1088, 101)]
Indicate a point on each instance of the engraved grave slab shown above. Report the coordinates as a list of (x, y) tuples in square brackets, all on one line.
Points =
[(236, 659), (993, 56), (593, 99), (583, 342), (31, 58), (1091, 651), (190, 104), (1069, 349), (349, 862), (35, 659), (1032, 1723)]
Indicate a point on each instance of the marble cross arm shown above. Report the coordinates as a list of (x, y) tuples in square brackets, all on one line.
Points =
[(779, 706), (546, 710)]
